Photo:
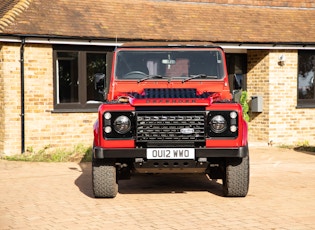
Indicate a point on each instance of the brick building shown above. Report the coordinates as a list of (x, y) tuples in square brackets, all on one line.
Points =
[(49, 51)]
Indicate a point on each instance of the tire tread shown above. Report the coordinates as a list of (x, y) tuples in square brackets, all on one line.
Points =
[(104, 181), (236, 181)]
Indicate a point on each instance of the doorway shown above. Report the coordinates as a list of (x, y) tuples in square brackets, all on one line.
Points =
[(237, 69)]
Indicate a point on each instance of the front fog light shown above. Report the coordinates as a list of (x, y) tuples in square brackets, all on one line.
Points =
[(233, 128), (218, 124), (122, 124), (108, 129)]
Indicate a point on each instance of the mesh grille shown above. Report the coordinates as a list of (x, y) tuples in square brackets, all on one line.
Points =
[(171, 127)]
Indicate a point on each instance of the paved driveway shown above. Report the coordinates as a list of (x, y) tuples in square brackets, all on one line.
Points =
[(59, 196)]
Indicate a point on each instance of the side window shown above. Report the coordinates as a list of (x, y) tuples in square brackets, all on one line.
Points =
[(306, 70), (75, 69), (95, 64), (67, 77)]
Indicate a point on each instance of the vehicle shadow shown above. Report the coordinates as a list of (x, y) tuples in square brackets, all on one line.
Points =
[(169, 183), (153, 183), (310, 150), (84, 181)]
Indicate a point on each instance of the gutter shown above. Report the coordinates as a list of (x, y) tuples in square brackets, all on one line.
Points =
[(60, 41), (53, 40), (22, 96)]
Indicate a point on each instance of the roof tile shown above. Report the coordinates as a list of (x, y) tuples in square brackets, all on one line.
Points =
[(11, 10), (159, 20)]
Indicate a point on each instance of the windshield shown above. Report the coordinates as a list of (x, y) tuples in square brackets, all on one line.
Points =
[(172, 65)]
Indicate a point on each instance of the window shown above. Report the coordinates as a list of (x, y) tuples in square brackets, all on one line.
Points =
[(173, 64), (306, 69), (74, 72)]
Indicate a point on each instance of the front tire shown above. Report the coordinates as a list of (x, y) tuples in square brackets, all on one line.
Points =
[(104, 180), (236, 178)]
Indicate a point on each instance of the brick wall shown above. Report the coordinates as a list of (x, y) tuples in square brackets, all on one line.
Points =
[(287, 123), (258, 85), (10, 98), (1, 100), (42, 127), (280, 122)]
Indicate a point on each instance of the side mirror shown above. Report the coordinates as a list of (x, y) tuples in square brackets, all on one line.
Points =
[(238, 81), (99, 83)]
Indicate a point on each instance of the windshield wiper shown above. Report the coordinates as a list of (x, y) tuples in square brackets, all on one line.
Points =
[(150, 77), (194, 76)]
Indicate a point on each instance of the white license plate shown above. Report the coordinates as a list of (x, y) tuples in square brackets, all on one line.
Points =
[(171, 153)]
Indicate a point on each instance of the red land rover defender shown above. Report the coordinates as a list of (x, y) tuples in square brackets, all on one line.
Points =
[(168, 109)]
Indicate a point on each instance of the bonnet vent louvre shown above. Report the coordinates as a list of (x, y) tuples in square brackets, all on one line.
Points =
[(169, 93)]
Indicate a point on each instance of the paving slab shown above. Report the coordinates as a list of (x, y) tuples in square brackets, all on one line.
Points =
[(59, 196)]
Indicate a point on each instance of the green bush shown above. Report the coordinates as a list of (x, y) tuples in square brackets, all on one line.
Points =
[(245, 106)]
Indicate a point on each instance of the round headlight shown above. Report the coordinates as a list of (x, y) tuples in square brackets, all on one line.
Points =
[(122, 124), (218, 124)]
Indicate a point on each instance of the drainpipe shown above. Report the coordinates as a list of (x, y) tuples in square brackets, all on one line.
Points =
[(22, 96)]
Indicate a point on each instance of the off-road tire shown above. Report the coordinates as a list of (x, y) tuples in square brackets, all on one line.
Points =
[(236, 178), (104, 181)]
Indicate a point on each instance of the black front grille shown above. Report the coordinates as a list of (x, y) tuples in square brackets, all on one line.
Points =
[(171, 129)]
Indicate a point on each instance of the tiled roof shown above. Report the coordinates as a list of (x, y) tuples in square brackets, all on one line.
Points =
[(9, 10), (157, 20), (268, 3)]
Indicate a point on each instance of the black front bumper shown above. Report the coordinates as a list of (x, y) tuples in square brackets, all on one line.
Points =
[(129, 153)]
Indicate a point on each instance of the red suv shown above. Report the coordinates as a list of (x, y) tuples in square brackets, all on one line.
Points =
[(168, 109)]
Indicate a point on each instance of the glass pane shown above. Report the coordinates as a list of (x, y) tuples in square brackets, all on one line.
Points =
[(174, 64), (306, 74), (180, 68), (67, 81), (95, 64)]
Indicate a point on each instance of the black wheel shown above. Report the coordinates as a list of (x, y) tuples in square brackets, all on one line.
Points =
[(236, 178), (104, 180)]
